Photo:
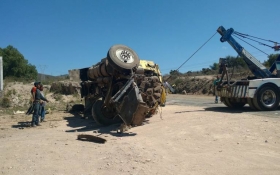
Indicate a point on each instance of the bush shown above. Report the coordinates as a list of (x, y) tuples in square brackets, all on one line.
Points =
[(5, 102), (57, 97), (56, 88), (62, 88), (10, 92), (204, 91), (178, 81)]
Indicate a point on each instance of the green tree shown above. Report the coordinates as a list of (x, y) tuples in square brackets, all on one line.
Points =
[(231, 62), (235, 61), (271, 59), (215, 66), (15, 65), (239, 61), (175, 72)]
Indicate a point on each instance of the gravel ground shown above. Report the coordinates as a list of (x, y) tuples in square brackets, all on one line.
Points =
[(185, 137)]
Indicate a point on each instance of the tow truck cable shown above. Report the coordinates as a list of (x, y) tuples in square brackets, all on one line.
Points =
[(193, 54), (276, 47)]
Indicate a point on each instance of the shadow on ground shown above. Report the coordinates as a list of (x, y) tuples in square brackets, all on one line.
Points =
[(22, 125), (229, 110), (238, 110), (247, 110), (81, 124), (220, 109)]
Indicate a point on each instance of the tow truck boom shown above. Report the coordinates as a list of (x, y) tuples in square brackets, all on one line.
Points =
[(261, 92), (254, 65)]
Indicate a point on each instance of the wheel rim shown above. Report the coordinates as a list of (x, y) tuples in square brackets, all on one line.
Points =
[(124, 56), (268, 98), (107, 113)]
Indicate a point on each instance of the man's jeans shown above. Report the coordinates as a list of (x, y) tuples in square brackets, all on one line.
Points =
[(35, 117), (216, 99), (42, 112)]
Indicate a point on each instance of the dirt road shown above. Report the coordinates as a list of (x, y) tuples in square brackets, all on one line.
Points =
[(184, 138)]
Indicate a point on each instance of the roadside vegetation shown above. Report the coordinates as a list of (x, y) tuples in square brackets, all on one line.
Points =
[(17, 69), (18, 73), (195, 82)]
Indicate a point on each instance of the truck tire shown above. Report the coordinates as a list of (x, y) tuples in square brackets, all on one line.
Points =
[(233, 104), (255, 102), (102, 117), (267, 98), (122, 58), (226, 102), (252, 105), (238, 105)]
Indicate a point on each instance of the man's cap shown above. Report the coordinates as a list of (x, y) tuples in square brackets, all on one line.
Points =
[(36, 83)]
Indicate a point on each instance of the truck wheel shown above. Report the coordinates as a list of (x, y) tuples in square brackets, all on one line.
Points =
[(227, 102), (251, 104), (237, 104), (232, 104), (268, 98), (122, 58), (101, 116)]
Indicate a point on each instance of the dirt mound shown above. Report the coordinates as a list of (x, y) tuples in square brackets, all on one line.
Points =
[(65, 87), (194, 85), (200, 85), (18, 94)]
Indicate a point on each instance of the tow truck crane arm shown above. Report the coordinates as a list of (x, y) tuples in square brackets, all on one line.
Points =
[(254, 65)]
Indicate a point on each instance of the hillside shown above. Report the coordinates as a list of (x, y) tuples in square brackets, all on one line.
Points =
[(200, 85), (49, 78)]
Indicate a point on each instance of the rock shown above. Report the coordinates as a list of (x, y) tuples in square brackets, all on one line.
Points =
[(65, 87), (75, 107)]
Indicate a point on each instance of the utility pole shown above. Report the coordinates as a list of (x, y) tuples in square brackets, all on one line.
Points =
[(1, 76)]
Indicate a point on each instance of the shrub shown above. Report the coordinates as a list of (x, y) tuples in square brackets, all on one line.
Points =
[(10, 92), (57, 97), (204, 91), (5, 102)]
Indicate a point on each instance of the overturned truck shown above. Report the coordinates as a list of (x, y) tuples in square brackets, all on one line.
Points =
[(121, 88)]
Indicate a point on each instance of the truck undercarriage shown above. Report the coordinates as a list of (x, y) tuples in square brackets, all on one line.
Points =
[(121, 88)]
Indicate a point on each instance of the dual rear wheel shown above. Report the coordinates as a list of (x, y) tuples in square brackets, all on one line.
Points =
[(267, 99), (232, 104)]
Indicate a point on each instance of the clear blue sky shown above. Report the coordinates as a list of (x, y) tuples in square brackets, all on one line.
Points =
[(58, 35)]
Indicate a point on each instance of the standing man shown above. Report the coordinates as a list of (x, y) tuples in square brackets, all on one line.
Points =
[(215, 84), (33, 91), (42, 105), (37, 97)]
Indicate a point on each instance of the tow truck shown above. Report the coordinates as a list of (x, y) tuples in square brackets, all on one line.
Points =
[(260, 91)]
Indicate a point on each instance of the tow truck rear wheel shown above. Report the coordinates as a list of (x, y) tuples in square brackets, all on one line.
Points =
[(238, 104), (226, 102), (102, 116), (234, 104), (122, 58), (252, 104), (267, 98)]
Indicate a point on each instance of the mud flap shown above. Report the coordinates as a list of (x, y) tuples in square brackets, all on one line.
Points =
[(132, 109)]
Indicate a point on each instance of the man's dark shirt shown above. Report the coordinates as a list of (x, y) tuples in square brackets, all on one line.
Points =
[(39, 96)]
